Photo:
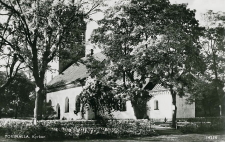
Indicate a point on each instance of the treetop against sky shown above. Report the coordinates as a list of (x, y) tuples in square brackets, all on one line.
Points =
[(201, 6)]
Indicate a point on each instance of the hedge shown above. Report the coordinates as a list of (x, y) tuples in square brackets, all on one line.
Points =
[(62, 129), (203, 124)]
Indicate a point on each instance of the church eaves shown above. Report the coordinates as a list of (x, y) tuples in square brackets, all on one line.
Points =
[(72, 75)]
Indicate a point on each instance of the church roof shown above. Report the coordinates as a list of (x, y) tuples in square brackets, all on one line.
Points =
[(158, 87), (79, 71), (75, 72)]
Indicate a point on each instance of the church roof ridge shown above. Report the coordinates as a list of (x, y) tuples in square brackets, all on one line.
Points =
[(75, 72), (158, 87)]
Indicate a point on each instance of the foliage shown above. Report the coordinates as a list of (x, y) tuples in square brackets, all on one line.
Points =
[(80, 129), (12, 66), (149, 41), (36, 32), (203, 94), (213, 51), (17, 97), (11, 63), (203, 124), (208, 88), (101, 99), (49, 112)]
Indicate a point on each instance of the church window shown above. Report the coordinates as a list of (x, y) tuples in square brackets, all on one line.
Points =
[(156, 105), (67, 105), (58, 111), (77, 105), (50, 102)]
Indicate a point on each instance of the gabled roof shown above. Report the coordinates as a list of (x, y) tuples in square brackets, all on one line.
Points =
[(75, 72), (78, 71), (158, 87)]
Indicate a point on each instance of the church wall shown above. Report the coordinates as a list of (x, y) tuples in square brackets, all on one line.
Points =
[(59, 97), (184, 110), (164, 106), (164, 110), (128, 114)]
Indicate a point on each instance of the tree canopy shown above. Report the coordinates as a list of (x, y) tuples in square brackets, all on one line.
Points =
[(16, 98), (149, 41), (212, 82), (36, 31)]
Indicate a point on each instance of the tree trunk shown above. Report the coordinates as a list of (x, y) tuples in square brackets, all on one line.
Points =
[(217, 80), (223, 107), (0, 112), (39, 104), (96, 112), (174, 113), (140, 110), (36, 105), (16, 110)]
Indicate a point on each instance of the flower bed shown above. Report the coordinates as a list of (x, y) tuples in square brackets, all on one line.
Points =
[(61, 129)]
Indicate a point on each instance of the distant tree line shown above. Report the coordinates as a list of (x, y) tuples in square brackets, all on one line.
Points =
[(18, 98)]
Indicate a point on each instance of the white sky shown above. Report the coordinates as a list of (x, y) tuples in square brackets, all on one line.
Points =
[(202, 6)]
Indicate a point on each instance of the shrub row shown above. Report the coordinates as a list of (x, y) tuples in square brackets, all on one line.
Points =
[(203, 124), (78, 129), (202, 119)]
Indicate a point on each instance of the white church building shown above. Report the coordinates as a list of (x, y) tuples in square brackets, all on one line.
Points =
[(66, 87)]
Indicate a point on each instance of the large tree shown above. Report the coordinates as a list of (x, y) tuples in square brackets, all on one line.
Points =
[(213, 51), (35, 31), (149, 40), (115, 38), (174, 56)]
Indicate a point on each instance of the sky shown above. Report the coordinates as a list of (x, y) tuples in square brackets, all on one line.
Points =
[(202, 6)]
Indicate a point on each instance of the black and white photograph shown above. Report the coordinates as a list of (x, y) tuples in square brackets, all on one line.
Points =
[(112, 70)]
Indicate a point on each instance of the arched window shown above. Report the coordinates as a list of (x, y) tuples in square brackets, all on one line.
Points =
[(77, 105), (58, 111), (156, 105), (50, 102), (67, 105)]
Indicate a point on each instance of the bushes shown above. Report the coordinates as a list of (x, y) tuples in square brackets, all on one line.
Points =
[(78, 129), (204, 124)]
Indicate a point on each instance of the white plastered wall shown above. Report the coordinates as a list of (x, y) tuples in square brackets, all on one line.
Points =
[(128, 114), (59, 97), (164, 106), (184, 110)]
